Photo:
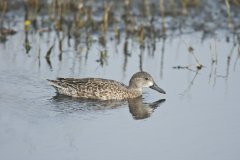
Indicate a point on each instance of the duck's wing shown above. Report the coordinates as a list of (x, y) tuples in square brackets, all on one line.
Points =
[(91, 82), (63, 83)]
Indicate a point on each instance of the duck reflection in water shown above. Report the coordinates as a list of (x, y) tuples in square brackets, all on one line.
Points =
[(141, 110), (137, 107)]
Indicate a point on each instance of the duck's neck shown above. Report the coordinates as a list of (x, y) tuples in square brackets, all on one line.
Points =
[(134, 91)]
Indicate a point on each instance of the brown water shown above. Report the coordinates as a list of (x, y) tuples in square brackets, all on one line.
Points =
[(199, 118)]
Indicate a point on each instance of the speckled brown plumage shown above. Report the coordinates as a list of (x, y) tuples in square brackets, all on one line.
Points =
[(102, 89)]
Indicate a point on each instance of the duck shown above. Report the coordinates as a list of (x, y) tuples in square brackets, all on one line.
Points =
[(105, 89)]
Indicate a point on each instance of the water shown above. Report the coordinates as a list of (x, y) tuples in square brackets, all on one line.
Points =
[(199, 118)]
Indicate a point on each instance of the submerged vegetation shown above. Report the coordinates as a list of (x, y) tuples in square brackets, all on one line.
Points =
[(82, 23)]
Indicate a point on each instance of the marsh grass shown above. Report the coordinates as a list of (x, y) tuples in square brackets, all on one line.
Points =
[(144, 22)]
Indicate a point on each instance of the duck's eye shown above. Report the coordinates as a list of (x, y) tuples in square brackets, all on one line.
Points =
[(146, 78)]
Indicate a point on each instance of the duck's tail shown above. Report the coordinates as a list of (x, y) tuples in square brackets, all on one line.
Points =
[(56, 84)]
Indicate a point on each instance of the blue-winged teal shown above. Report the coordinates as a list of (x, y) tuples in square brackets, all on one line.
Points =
[(104, 89)]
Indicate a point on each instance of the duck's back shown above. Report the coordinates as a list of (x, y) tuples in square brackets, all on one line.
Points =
[(91, 88)]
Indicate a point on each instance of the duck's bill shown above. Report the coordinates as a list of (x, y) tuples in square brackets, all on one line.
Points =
[(155, 87)]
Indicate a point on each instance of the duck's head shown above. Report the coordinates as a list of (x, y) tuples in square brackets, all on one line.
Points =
[(143, 79)]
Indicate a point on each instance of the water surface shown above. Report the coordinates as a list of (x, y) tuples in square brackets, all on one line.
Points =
[(199, 118)]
